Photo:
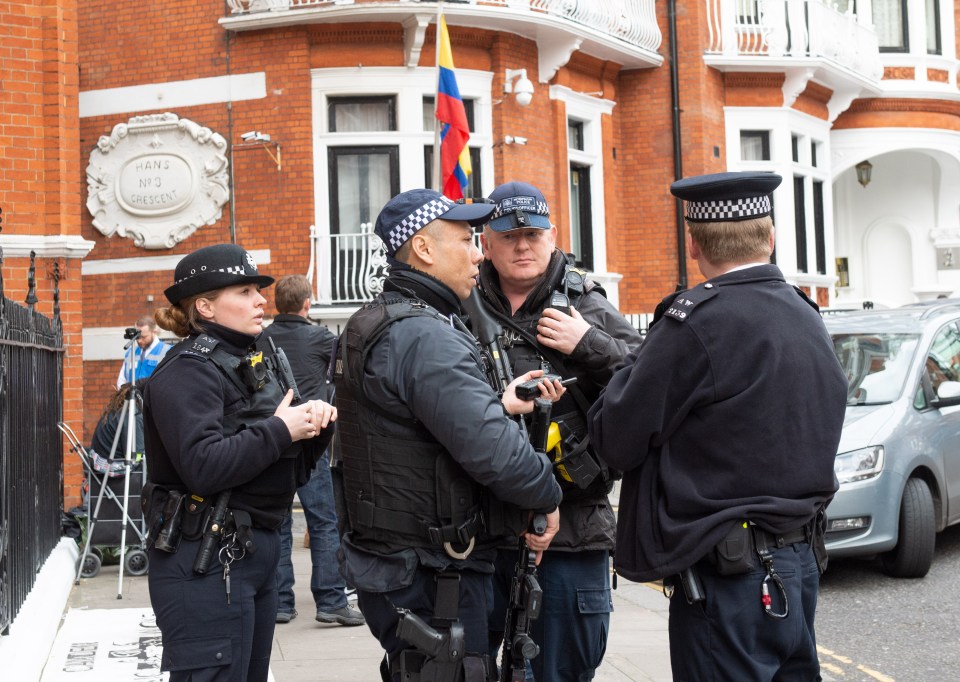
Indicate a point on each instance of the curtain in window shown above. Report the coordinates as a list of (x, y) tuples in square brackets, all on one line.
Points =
[(888, 20)]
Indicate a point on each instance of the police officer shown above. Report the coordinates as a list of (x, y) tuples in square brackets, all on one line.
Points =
[(427, 449), (726, 424), (226, 450), (555, 319)]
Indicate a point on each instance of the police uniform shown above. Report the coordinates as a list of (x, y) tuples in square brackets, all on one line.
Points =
[(426, 447), (726, 424), (209, 428), (574, 572)]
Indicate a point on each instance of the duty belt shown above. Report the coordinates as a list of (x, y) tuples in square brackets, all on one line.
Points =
[(780, 540)]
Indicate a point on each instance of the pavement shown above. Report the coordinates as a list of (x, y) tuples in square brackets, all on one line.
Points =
[(305, 650)]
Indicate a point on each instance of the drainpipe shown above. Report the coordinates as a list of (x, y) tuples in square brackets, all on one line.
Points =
[(677, 147)]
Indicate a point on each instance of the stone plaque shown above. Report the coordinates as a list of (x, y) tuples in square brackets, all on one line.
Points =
[(156, 179)]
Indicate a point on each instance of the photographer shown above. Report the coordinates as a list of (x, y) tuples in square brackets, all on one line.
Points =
[(224, 443), (556, 320), (143, 356)]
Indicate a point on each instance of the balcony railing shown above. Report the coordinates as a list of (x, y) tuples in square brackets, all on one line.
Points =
[(633, 21), (350, 267), (792, 28)]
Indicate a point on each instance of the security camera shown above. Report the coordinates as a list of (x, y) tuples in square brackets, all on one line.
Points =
[(524, 91), (255, 136)]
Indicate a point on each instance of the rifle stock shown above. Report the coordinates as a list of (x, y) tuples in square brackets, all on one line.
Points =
[(488, 332)]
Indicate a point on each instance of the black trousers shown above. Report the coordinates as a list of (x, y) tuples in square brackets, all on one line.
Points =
[(728, 636), (204, 638)]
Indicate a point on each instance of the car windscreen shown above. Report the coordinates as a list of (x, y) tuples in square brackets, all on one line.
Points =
[(875, 364)]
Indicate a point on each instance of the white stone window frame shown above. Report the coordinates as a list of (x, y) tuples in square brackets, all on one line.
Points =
[(783, 124), (409, 87), (588, 111)]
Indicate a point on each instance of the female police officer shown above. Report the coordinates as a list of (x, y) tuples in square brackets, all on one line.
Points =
[(226, 449)]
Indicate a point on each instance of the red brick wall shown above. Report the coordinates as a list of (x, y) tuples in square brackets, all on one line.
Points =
[(40, 172)]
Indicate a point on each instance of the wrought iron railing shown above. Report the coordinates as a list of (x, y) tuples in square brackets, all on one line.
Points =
[(350, 267), (31, 449), (792, 28), (633, 21)]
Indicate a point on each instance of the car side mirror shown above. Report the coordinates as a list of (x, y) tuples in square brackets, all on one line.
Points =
[(948, 394)]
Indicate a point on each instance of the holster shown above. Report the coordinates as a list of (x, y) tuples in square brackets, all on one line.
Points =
[(734, 554)]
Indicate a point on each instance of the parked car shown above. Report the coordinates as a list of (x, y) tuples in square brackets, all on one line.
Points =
[(898, 461)]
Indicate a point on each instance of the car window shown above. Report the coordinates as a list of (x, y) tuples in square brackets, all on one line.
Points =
[(943, 360), (875, 364)]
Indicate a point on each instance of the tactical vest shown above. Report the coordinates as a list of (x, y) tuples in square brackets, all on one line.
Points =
[(400, 491), (577, 469), (267, 495)]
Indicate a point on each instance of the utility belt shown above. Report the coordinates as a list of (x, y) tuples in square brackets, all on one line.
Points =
[(457, 540), (174, 516), (747, 547)]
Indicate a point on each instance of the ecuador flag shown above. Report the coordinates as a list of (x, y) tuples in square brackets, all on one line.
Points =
[(455, 131)]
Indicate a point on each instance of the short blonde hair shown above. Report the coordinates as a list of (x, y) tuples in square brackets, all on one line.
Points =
[(735, 241)]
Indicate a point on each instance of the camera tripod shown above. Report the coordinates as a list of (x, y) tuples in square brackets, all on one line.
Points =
[(136, 562)]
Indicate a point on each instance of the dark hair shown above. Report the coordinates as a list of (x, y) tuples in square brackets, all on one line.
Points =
[(290, 294)]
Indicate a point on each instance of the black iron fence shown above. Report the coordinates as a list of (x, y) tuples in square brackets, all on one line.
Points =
[(31, 448)]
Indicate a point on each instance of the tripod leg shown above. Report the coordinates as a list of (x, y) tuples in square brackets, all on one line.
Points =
[(129, 413)]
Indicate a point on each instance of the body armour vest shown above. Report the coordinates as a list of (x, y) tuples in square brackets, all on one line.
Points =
[(400, 491), (266, 496)]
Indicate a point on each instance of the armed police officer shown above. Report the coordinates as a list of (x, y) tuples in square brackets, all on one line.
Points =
[(556, 320), (428, 451), (226, 450), (726, 424)]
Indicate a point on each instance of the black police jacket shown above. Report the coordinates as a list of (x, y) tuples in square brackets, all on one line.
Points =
[(194, 443), (730, 410), (427, 375), (587, 521)]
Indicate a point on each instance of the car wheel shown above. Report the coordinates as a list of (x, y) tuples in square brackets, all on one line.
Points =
[(913, 555)]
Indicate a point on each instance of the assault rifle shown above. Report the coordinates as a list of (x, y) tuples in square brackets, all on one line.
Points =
[(488, 332), (284, 372), (526, 597)]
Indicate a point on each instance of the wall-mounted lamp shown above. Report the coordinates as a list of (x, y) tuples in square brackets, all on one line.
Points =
[(864, 170), (257, 139), (522, 88), (514, 139)]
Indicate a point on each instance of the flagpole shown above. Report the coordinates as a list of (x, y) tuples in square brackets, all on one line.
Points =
[(436, 104)]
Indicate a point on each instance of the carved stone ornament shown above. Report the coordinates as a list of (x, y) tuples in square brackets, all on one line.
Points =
[(156, 179)]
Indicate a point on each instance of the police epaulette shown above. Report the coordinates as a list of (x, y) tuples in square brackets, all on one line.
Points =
[(203, 346), (685, 302)]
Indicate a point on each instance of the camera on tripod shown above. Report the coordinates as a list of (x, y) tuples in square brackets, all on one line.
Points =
[(131, 333)]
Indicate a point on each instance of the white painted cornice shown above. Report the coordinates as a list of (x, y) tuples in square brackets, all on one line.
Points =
[(45, 246)]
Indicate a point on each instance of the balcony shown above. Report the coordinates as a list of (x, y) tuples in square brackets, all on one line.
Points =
[(621, 31), (805, 39)]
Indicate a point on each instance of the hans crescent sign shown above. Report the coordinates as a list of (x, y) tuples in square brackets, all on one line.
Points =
[(156, 179)]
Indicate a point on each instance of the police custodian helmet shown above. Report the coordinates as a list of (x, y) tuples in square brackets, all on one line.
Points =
[(213, 267)]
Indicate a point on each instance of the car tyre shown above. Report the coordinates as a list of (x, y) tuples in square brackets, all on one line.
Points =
[(913, 555)]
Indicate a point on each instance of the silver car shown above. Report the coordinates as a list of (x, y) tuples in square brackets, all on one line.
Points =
[(898, 461)]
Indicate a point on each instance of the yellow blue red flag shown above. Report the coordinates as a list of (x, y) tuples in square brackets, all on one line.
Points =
[(455, 131)]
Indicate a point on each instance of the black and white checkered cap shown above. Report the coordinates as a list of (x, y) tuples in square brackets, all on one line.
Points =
[(411, 211), (211, 268), (727, 196), (737, 209)]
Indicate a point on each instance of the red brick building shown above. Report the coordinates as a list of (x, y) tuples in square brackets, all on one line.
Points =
[(284, 125)]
